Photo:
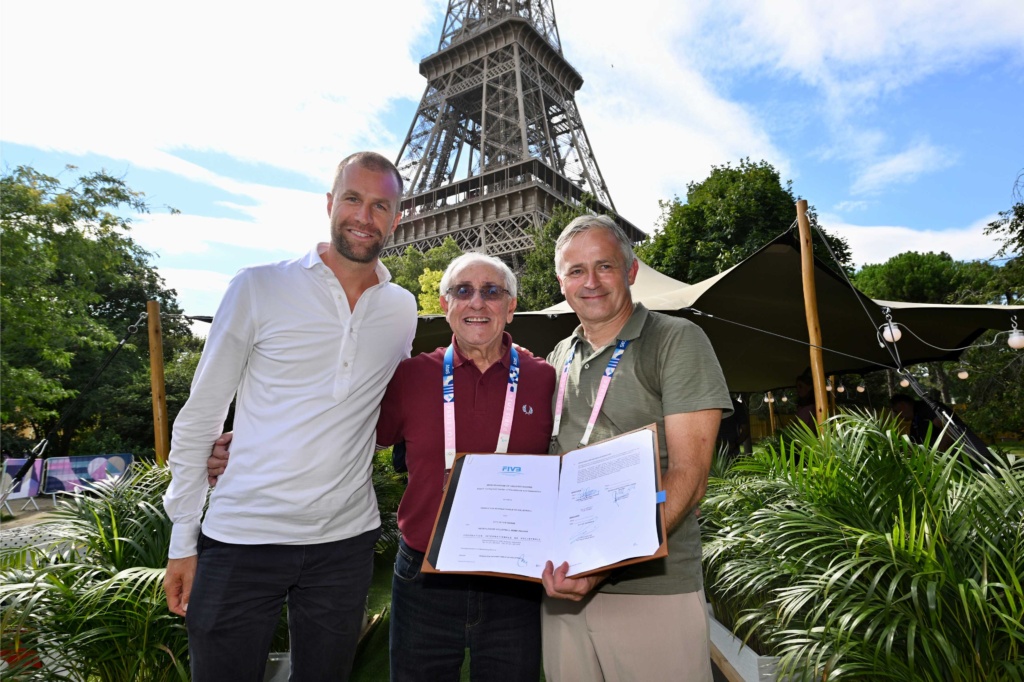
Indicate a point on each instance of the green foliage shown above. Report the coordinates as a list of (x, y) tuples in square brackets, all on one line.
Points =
[(72, 282), (928, 278), (90, 598), (406, 269), (726, 218), (1010, 225), (538, 285), (861, 556), (992, 397), (430, 288), (89, 594), (388, 486)]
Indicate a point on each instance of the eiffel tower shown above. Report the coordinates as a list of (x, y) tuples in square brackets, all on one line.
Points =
[(497, 141)]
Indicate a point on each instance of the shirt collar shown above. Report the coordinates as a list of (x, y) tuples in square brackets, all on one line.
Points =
[(630, 331), (506, 358)]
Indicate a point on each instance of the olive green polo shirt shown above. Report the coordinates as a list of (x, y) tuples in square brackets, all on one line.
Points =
[(669, 367)]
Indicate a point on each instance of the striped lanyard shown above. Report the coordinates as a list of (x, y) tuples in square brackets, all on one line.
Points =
[(602, 390), (448, 391)]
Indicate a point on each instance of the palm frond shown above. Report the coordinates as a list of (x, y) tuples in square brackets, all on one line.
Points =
[(859, 555)]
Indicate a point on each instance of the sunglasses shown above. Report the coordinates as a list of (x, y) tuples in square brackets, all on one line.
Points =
[(488, 292)]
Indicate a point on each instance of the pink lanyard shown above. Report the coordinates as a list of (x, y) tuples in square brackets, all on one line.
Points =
[(602, 390), (448, 392)]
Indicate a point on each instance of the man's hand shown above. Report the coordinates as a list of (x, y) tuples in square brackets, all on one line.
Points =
[(178, 583), (218, 460), (573, 589)]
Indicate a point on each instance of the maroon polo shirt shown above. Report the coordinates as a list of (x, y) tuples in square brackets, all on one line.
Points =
[(412, 410)]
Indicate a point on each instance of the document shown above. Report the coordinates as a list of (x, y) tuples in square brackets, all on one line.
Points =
[(595, 507)]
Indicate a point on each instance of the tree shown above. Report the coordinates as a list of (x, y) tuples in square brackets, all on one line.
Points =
[(918, 277), (538, 285), (992, 394), (407, 268), (72, 282), (430, 288), (1010, 225), (726, 218)]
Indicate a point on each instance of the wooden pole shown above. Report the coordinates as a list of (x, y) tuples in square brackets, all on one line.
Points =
[(771, 412), (156, 374), (811, 311)]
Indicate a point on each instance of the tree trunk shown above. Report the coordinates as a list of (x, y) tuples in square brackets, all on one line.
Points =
[(942, 380)]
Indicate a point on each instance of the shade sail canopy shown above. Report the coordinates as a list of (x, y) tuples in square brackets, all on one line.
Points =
[(753, 314)]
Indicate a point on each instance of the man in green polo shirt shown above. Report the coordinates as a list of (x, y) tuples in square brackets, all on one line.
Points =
[(646, 621)]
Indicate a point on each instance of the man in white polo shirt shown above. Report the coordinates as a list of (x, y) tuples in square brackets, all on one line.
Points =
[(308, 347)]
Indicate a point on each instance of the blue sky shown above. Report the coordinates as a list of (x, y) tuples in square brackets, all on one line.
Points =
[(899, 122)]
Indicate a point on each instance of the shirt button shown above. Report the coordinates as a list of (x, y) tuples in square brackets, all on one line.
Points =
[(586, 366), (344, 364)]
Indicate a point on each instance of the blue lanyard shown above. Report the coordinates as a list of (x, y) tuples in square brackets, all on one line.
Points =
[(448, 394)]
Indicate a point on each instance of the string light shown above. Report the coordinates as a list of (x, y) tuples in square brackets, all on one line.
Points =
[(889, 330), (860, 388), (962, 373), (1016, 338), (904, 382)]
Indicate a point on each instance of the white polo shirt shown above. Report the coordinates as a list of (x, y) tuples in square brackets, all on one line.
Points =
[(309, 375)]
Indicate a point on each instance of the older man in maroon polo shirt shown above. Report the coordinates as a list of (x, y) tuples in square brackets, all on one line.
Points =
[(435, 618)]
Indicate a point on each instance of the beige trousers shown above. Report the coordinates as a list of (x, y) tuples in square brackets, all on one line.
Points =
[(626, 637)]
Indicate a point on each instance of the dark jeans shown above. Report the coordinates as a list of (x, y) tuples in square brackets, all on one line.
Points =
[(435, 618), (236, 602)]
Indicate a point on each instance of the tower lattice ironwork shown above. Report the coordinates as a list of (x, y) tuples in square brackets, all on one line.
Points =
[(497, 141)]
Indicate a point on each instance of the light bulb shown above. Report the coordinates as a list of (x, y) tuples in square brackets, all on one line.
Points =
[(904, 382), (963, 374), (841, 388), (785, 399), (828, 387), (1016, 339), (766, 398), (860, 388), (891, 332)]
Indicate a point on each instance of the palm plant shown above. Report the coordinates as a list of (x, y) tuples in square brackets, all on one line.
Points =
[(388, 486), (859, 555), (88, 601)]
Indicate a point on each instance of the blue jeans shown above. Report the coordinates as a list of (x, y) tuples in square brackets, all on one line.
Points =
[(236, 603), (435, 618)]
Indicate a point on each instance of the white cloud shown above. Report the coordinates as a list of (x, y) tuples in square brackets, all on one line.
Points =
[(199, 291), (281, 220), (844, 206), (654, 121), (903, 167), (878, 243), (293, 86), (855, 51)]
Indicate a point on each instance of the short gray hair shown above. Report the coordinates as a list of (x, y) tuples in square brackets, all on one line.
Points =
[(473, 258), (591, 222)]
